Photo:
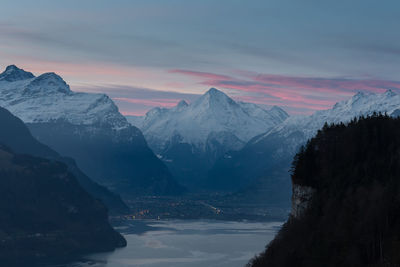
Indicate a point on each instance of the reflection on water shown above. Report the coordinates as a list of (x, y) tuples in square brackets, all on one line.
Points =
[(187, 244)]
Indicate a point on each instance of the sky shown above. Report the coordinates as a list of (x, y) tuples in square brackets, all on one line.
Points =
[(300, 55)]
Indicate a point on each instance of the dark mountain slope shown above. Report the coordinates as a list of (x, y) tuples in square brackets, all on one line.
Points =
[(15, 134), (240, 169), (120, 160), (267, 157), (45, 215), (346, 199), (89, 128)]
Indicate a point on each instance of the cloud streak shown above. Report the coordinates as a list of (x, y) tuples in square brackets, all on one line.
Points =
[(156, 102), (307, 93), (200, 74)]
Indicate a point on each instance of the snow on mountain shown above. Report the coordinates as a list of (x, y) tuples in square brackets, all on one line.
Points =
[(212, 113), (273, 115), (48, 98), (189, 138), (360, 104), (12, 74), (264, 162), (88, 128)]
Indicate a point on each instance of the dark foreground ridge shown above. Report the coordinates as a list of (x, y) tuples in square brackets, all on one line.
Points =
[(346, 199), (45, 215), (15, 135)]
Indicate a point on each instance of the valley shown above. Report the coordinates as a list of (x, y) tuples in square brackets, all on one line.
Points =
[(199, 133), (216, 206)]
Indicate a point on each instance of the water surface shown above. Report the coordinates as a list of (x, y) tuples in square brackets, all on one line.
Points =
[(187, 244)]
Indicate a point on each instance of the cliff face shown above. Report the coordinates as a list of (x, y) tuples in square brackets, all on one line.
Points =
[(346, 199), (301, 199)]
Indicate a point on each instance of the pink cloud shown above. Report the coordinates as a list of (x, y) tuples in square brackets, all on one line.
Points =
[(287, 96), (263, 100), (167, 103), (326, 84), (175, 85), (298, 92), (134, 113)]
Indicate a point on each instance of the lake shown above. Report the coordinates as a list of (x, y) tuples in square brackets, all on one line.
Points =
[(177, 243)]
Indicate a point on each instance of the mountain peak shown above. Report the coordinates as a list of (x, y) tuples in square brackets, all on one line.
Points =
[(390, 93), (12, 67), (49, 76), (214, 97), (276, 108), (182, 103), (359, 94), (13, 73), (279, 111), (49, 82), (214, 92), (213, 115)]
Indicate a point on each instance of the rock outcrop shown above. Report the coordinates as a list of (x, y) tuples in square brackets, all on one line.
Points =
[(301, 199)]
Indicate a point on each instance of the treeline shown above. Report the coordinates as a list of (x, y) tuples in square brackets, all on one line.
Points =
[(354, 216)]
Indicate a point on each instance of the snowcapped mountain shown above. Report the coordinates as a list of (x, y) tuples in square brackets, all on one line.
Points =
[(190, 137), (361, 104), (267, 157), (212, 113), (48, 98), (87, 127), (12, 74)]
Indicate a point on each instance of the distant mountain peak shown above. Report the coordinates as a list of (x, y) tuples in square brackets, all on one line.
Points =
[(213, 92), (182, 103), (276, 108), (359, 94), (390, 93), (12, 73), (214, 98), (213, 112), (48, 97), (155, 111), (189, 138), (361, 104), (48, 83), (279, 112), (356, 99), (11, 68), (365, 99)]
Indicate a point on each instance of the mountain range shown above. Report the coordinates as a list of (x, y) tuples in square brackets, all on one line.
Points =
[(88, 128), (214, 143), (263, 164), (189, 138), (223, 140)]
